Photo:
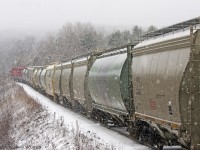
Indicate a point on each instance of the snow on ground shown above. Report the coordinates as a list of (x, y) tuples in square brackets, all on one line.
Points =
[(29, 126), (86, 127), (25, 124)]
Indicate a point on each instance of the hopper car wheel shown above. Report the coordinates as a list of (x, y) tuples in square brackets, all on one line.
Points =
[(159, 146), (141, 138), (65, 102), (56, 99)]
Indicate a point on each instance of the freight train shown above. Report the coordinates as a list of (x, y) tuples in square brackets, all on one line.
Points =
[(152, 88)]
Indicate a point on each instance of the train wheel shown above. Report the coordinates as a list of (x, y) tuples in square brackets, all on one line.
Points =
[(56, 99), (159, 146), (140, 138), (65, 102)]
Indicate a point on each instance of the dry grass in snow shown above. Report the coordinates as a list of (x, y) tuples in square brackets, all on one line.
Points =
[(25, 124)]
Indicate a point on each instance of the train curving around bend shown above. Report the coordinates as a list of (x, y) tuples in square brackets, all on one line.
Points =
[(152, 88)]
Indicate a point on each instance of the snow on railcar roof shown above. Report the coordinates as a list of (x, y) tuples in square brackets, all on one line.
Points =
[(50, 67), (165, 37), (64, 63), (113, 52), (30, 67), (80, 59), (170, 32)]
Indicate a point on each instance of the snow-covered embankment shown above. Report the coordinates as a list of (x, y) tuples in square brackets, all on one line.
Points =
[(108, 138)]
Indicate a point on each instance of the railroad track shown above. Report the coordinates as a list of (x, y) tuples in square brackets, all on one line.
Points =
[(120, 130), (123, 131)]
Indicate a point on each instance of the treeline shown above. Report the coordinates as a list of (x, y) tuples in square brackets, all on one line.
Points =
[(70, 41)]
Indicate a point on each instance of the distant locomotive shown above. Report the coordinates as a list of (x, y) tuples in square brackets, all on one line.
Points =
[(153, 88), (16, 72)]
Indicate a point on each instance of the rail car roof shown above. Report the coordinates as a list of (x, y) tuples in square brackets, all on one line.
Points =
[(50, 67), (168, 36), (29, 67), (173, 28), (163, 38), (80, 59), (120, 50), (170, 32), (64, 63)]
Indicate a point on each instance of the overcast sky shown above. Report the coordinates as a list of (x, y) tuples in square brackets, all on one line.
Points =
[(52, 14)]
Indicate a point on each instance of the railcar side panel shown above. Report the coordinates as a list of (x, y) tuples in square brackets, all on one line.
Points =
[(79, 75), (24, 74), (105, 84), (43, 79), (156, 79), (30, 75), (49, 80), (56, 80), (38, 78), (34, 77), (65, 82)]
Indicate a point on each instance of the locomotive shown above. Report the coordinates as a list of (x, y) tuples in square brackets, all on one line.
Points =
[(152, 88), (16, 73)]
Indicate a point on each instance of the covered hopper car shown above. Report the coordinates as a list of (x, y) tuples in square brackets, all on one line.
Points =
[(152, 88)]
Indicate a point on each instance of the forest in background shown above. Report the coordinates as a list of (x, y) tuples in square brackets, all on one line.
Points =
[(73, 39)]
